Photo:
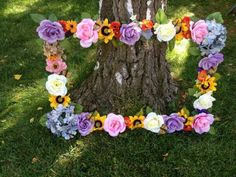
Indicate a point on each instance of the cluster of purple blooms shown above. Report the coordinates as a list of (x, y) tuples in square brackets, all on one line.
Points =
[(214, 42), (63, 122)]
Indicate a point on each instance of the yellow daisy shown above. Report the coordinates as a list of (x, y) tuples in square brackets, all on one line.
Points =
[(56, 100), (71, 26), (105, 33), (136, 122), (207, 85), (98, 122)]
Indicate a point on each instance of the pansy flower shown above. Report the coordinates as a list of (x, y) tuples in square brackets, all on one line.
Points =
[(71, 26), (188, 123), (56, 100), (207, 85), (146, 25), (98, 122), (115, 26), (136, 122), (105, 33)]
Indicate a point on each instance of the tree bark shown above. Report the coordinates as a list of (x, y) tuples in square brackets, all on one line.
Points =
[(129, 77)]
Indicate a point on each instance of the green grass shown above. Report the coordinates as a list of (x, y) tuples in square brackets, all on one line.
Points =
[(27, 149)]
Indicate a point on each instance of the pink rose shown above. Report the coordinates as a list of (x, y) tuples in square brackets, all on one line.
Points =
[(199, 31), (114, 124), (55, 66), (202, 122), (86, 33)]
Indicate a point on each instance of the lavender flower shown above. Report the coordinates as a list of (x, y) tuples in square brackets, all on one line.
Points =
[(50, 31), (130, 33), (174, 122), (213, 60), (214, 42), (84, 124), (62, 122)]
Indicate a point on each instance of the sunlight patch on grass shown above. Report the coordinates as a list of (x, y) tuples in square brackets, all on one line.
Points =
[(19, 7)]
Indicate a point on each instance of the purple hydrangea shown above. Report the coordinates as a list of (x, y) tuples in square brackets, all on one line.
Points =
[(50, 31), (62, 122), (174, 122), (84, 124), (130, 33), (213, 60), (214, 42)]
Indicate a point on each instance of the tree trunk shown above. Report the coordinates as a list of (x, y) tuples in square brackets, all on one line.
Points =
[(129, 77)]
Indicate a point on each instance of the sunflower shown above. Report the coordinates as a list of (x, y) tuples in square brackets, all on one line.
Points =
[(136, 122), (207, 85), (188, 119), (56, 100), (105, 33), (71, 26), (98, 122)]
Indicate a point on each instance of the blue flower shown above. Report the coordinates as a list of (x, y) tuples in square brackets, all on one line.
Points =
[(214, 42), (62, 122)]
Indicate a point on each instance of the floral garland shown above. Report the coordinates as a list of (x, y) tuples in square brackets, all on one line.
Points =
[(66, 121)]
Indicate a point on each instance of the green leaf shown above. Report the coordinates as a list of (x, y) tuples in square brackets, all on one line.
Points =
[(78, 108), (212, 131), (195, 19), (194, 113), (116, 43), (194, 51), (37, 17), (186, 111), (161, 17), (148, 110), (217, 76), (96, 17), (217, 16), (85, 15), (52, 17), (140, 113), (42, 120), (171, 44), (192, 91)]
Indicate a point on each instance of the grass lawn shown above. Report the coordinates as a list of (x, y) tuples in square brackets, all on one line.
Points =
[(27, 149)]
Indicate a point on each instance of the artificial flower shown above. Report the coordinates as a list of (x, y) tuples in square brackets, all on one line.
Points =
[(56, 85), (53, 49), (204, 101), (105, 33), (146, 24), (115, 26), (207, 85), (56, 100), (214, 41), (202, 75), (136, 122), (174, 122), (130, 33), (212, 61), (54, 57), (199, 31), (86, 33), (63, 24), (71, 26), (55, 66), (202, 122), (188, 119), (50, 31), (153, 122), (85, 124), (98, 122), (128, 122), (165, 32), (182, 28), (114, 124), (62, 122)]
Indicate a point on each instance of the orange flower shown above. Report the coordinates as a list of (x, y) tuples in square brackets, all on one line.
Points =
[(146, 24), (202, 75)]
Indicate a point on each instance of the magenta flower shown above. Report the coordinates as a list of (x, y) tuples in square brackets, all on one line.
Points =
[(199, 31), (202, 122), (86, 33), (130, 33), (85, 125), (174, 122), (50, 31), (114, 124), (211, 61), (55, 66)]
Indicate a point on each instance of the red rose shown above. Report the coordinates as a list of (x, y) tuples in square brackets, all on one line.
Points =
[(115, 26)]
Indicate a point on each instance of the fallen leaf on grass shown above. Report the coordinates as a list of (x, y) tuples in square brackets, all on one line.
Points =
[(17, 76), (165, 156), (34, 160), (39, 108), (31, 120)]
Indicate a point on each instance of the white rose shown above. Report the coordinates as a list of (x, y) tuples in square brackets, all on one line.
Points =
[(56, 85), (153, 122), (204, 101), (165, 32)]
